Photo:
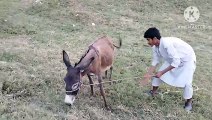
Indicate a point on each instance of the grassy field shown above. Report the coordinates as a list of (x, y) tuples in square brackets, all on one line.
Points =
[(33, 34)]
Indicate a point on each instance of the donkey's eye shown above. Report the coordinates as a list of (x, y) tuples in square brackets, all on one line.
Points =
[(75, 86)]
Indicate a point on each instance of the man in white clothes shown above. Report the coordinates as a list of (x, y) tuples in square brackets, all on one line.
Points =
[(178, 67)]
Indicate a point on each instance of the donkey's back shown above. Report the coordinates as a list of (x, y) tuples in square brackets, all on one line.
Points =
[(105, 52)]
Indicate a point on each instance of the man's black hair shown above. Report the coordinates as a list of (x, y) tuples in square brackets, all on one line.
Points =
[(152, 32)]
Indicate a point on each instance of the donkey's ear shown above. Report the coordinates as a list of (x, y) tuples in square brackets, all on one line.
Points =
[(66, 59), (87, 64)]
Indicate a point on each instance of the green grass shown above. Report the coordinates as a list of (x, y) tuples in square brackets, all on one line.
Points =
[(33, 35)]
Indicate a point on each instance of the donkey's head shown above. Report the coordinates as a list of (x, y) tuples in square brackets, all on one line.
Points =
[(73, 78)]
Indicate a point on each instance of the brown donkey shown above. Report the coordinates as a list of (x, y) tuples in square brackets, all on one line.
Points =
[(97, 60)]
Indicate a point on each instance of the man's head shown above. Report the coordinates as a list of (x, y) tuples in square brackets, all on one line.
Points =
[(153, 36)]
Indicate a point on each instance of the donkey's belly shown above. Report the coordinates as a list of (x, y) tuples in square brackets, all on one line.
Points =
[(105, 68)]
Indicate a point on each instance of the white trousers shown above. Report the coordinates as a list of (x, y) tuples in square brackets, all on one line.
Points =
[(187, 90)]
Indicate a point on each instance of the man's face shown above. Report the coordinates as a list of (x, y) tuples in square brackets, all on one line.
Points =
[(152, 42)]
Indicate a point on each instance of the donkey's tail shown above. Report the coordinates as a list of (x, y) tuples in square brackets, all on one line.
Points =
[(120, 43)]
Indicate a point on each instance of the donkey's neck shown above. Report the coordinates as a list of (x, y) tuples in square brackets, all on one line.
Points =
[(85, 59)]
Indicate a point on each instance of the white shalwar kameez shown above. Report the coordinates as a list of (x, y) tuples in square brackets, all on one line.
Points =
[(180, 55)]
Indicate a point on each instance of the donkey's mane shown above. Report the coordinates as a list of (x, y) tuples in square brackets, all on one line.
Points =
[(89, 48), (82, 58)]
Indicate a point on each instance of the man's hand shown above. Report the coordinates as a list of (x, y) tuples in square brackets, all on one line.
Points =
[(145, 80), (159, 74), (147, 76)]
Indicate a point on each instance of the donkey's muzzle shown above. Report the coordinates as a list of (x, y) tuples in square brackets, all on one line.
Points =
[(69, 99)]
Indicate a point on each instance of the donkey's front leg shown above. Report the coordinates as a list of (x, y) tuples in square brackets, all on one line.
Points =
[(102, 90)]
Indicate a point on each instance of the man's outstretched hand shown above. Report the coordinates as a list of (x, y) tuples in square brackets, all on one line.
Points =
[(146, 79)]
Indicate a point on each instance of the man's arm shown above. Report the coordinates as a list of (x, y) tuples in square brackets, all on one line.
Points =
[(151, 70), (172, 53), (160, 73), (155, 61), (148, 75)]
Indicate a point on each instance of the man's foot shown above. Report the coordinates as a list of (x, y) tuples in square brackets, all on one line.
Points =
[(151, 93), (188, 106)]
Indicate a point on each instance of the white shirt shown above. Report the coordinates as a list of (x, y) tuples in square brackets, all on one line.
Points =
[(173, 50)]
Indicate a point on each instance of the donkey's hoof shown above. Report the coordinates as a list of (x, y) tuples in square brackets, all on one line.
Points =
[(108, 108), (98, 85), (68, 104)]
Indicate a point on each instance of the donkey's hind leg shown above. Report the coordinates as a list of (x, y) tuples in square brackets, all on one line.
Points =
[(110, 75), (105, 76), (91, 84), (111, 71)]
